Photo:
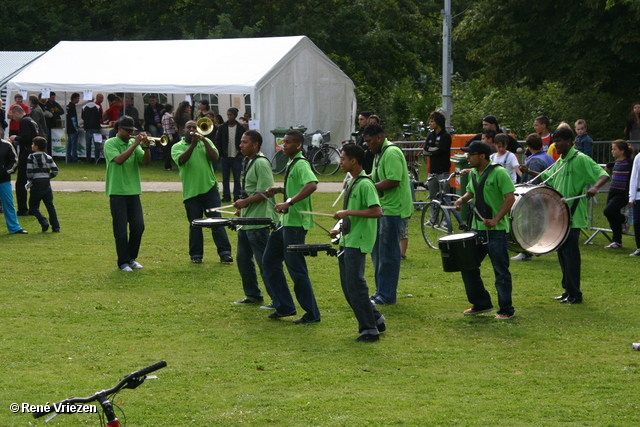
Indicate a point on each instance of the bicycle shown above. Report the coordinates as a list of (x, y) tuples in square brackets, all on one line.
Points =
[(103, 397), (324, 157), (438, 215)]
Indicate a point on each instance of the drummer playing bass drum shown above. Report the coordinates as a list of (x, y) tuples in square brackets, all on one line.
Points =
[(491, 187), (575, 171), (257, 177)]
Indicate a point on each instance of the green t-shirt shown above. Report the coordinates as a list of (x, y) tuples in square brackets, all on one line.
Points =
[(390, 164), (124, 179), (572, 180), (196, 173), (299, 175), (497, 185), (363, 230), (259, 177)]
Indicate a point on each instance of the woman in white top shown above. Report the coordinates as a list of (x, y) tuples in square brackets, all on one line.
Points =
[(506, 158), (634, 201)]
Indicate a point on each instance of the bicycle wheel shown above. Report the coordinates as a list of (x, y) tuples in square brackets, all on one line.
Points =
[(435, 223), (326, 160), (279, 162)]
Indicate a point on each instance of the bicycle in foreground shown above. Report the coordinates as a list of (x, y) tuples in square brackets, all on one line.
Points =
[(104, 398), (438, 215)]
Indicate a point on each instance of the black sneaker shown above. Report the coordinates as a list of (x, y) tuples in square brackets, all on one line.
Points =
[(382, 327), (269, 306), (368, 338), (196, 260), (275, 315), (226, 258), (571, 301), (45, 225), (249, 301), (561, 297)]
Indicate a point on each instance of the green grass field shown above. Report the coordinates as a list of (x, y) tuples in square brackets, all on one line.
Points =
[(73, 324)]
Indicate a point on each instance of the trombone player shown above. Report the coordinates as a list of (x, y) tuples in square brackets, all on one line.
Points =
[(193, 154)]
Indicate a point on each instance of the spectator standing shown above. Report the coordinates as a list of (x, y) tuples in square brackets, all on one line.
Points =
[(194, 155), (3, 123), (228, 142), (28, 130), (632, 130), (123, 189), (72, 129), (541, 126), (634, 202), (53, 113), (37, 114), (169, 129), (92, 117), (438, 149), (182, 116), (363, 121), (506, 158), (203, 109), (618, 190), (490, 122), (113, 112), (583, 141), (153, 117), (40, 169), (14, 125), (8, 165)]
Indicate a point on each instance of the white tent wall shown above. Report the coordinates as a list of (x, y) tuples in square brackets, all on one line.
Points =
[(290, 81)]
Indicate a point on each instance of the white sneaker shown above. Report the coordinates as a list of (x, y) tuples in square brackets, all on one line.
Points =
[(135, 265), (613, 245), (636, 253), (522, 256), (126, 267)]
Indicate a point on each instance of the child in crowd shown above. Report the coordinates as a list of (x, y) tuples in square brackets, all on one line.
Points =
[(541, 126), (40, 169), (506, 158), (583, 141), (619, 190)]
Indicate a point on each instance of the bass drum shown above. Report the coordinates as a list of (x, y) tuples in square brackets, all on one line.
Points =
[(540, 219)]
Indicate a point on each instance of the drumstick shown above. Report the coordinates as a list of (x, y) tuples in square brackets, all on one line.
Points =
[(567, 199), (219, 208), (478, 213), (316, 213), (316, 223), (228, 212), (344, 188)]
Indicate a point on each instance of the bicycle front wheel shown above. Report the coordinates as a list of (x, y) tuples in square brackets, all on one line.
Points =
[(279, 162), (435, 223), (326, 160)]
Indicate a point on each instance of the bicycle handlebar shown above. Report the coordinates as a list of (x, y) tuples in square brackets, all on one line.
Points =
[(132, 380)]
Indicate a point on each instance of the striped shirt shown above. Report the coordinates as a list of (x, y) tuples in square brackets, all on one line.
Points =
[(620, 176), (40, 165)]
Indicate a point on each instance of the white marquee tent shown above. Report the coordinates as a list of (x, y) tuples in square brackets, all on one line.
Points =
[(290, 81)]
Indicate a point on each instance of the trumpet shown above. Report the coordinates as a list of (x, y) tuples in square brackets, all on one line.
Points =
[(150, 141), (204, 126)]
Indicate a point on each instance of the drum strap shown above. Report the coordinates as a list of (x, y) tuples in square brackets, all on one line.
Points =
[(286, 174), (345, 227), (480, 203), (377, 164), (246, 165)]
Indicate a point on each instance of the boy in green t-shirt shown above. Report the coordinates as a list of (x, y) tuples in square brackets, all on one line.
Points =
[(361, 209), (493, 191)]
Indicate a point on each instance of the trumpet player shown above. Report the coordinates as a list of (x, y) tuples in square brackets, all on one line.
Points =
[(123, 188), (193, 154)]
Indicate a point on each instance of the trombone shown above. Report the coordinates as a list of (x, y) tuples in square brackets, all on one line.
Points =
[(204, 127)]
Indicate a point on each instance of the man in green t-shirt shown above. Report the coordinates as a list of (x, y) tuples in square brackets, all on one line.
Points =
[(392, 182), (299, 183), (257, 177), (361, 209), (493, 191), (123, 188), (576, 171), (193, 155)]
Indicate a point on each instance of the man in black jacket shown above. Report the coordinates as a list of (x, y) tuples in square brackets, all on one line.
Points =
[(228, 144), (24, 139), (8, 165)]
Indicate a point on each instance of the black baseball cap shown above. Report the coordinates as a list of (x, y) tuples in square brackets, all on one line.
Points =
[(126, 122), (478, 147)]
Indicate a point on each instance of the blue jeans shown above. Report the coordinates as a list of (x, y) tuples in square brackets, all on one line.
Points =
[(354, 286), (10, 217), (386, 258), (275, 253), (127, 211), (228, 165), (495, 245), (196, 207), (41, 191), (72, 148), (88, 134), (251, 245), (570, 263)]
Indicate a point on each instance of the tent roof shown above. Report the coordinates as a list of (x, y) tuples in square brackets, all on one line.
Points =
[(221, 66), (11, 62)]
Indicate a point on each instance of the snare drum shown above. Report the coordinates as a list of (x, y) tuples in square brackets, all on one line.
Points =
[(459, 251), (540, 220), (251, 221), (211, 222), (312, 249)]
